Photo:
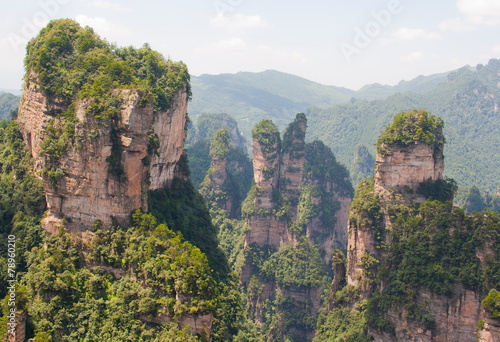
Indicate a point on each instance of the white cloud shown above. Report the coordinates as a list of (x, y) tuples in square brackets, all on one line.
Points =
[(238, 21), (234, 43), (108, 5), (404, 33), (102, 26), (456, 25), (496, 49), (408, 34), (476, 14), (413, 57), (479, 8)]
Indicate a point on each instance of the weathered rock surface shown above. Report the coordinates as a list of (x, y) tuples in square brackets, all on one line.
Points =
[(88, 190), (408, 166)]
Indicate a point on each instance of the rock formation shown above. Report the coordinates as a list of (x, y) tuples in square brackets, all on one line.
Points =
[(220, 187), (298, 205), (401, 169), (87, 188)]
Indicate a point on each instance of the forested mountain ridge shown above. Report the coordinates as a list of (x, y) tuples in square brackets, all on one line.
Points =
[(8, 105)]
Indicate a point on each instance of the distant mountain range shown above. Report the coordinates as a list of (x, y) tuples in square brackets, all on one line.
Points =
[(250, 97)]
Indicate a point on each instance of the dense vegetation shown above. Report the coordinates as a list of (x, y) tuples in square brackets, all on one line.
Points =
[(198, 145), (410, 128), (22, 200), (119, 284), (432, 247), (73, 61)]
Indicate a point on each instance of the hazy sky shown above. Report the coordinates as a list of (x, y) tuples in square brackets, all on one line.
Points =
[(334, 42)]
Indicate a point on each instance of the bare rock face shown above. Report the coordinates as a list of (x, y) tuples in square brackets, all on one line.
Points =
[(87, 188), (408, 166), (456, 320)]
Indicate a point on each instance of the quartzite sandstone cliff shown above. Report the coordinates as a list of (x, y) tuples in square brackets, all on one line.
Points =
[(293, 198), (88, 190), (400, 169)]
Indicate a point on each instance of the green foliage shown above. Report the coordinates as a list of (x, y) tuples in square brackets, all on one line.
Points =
[(153, 142), (365, 207), (294, 137), (411, 127), (208, 123), (22, 200), (342, 325), (248, 207), (492, 303), (199, 161), (268, 136), (68, 58), (219, 145), (83, 296), (181, 207), (115, 158), (364, 164), (295, 266), (475, 201), (441, 190), (322, 166)]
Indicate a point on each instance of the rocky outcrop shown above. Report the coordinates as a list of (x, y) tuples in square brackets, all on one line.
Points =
[(408, 166), (374, 231), (87, 187), (301, 194)]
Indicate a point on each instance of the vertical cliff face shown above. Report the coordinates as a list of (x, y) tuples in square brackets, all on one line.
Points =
[(101, 139), (87, 188), (267, 229), (408, 166), (220, 187)]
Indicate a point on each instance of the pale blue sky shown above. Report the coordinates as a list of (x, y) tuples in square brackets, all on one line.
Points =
[(333, 42)]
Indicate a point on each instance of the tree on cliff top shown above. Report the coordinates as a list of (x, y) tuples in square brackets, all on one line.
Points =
[(267, 135), (219, 146), (411, 127), (71, 60)]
